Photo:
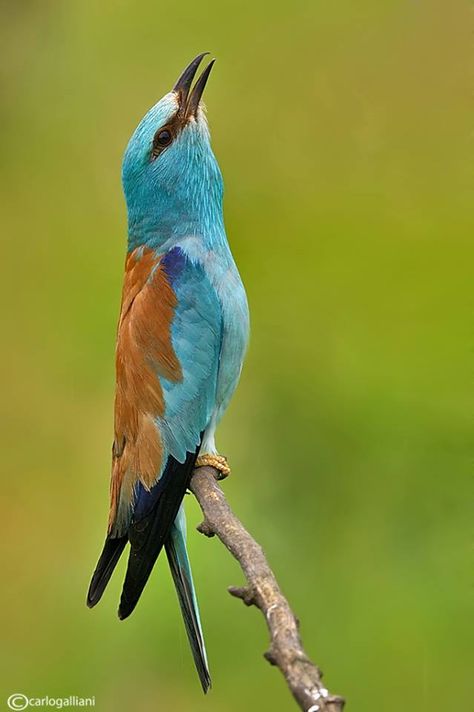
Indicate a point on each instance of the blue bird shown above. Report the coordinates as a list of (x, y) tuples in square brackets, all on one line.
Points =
[(181, 341)]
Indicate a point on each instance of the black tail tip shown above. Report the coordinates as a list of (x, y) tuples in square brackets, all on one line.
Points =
[(93, 596), (109, 557), (125, 608), (90, 603), (206, 683)]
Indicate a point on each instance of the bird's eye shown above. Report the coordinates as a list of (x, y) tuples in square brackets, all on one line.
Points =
[(162, 139)]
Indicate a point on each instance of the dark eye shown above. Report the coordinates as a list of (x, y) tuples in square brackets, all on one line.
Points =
[(163, 138)]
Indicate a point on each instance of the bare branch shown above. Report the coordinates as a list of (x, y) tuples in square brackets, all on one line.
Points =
[(286, 651)]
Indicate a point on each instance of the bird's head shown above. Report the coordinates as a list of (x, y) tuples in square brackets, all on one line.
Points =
[(172, 183)]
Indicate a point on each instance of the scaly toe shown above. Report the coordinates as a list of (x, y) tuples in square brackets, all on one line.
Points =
[(218, 462)]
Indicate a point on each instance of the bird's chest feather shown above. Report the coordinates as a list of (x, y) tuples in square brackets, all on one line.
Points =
[(224, 276), (222, 273)]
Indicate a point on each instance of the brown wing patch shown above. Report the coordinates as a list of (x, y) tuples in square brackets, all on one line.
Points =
[(144, 353)]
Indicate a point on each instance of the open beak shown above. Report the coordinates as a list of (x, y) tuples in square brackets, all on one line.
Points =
[(189, 98)]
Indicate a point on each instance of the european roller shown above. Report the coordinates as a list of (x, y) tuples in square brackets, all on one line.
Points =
[(181, 340)]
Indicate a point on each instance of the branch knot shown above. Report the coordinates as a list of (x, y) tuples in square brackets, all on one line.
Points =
[(206, 529), (246, 594)]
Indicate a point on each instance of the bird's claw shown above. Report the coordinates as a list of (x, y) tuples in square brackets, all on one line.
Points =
[(218, 462)]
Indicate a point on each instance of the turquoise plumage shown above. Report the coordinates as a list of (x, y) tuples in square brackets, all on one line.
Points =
[(181, 341)]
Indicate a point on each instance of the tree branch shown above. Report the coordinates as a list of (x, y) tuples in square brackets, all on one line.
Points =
[(286, 651)]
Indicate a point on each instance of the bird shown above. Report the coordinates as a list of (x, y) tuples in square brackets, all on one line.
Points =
[(181, 341)]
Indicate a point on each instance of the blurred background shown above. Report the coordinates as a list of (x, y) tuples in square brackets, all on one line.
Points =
[(343, 132)]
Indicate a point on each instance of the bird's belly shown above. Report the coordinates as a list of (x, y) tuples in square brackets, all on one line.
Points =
[(235, 317)]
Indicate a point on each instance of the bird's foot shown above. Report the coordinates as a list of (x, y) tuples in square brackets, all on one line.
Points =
[(218, 462)]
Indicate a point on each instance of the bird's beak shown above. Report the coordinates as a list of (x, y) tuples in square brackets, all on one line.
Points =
[(189, 99)]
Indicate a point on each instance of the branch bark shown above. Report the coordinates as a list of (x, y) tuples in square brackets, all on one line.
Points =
[(286, 651)]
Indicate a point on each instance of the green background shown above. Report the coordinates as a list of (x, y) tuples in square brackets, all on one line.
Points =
[(343, 132)]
